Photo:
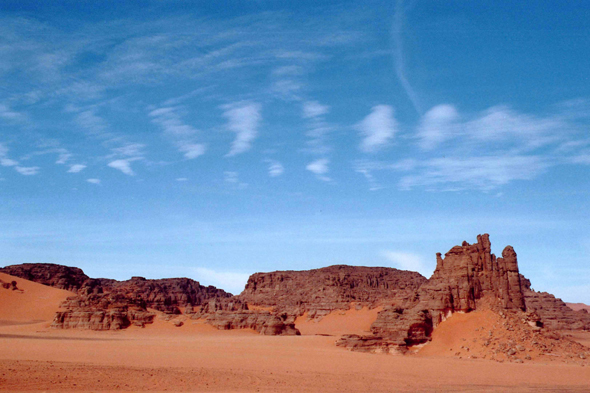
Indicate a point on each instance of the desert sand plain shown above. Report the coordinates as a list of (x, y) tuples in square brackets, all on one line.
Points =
[(197, 357)]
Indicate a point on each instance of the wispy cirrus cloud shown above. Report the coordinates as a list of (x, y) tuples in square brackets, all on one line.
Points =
[(317, 127), (484, 151), (126, 154), (76, 168), (27, 170), (399, 54), (8, 162), (182, 135), (377, 129), (243, 118), (275, 168), (319, 168)]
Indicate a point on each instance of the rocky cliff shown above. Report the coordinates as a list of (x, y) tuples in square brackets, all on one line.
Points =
[(320, 291)]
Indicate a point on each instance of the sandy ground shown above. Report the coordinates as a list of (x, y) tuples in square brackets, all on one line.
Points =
[(196, 357)]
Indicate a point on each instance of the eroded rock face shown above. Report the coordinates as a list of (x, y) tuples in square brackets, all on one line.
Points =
[(470, 274), (554, 313), (58, 276), (466, 278), (233, 313), (321, 291), (105, 304)]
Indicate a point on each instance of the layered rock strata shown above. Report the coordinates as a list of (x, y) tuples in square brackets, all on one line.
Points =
[(226, 314), (105, 304), (318, 292), (469, 277)]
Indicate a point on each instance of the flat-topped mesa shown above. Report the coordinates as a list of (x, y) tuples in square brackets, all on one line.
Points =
[(470, 273), (318, 292)]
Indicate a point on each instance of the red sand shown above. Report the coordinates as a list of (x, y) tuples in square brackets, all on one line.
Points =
[(196, 357), (31, 303), (339, 322)]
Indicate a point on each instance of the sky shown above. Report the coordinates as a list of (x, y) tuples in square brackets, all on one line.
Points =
[(213, 140)]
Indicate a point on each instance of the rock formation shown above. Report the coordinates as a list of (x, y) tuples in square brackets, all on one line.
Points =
[(58, 276), (468, 278), (320, 291), (105, 304)]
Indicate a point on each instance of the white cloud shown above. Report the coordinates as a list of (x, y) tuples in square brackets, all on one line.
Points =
[(192, 150), (399, 58), (181, 179), (275, 168), (437, 126), (234, 179), (93, 124), (318, 128), (483, 173), (8, 114), (63, 157), (312, 109), (377, 128), (93, 181), (286, 89), (496, 127), (76, 168), (229, 281), (8, 162), (407, 261), (122, 165), (134, 150), (320, 168), (27, 171), (182, 135), (243, 119)]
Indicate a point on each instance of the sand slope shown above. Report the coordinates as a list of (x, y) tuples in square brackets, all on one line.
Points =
[(32, 302), (339, 322)]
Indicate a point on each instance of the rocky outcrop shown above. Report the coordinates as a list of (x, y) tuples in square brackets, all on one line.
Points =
[(58, 276), (470, 274), (101, 312), (233, 313), (554, 313), (105, 304), (320, 291)]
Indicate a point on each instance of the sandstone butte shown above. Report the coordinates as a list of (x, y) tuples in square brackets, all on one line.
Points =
[(468, 278)]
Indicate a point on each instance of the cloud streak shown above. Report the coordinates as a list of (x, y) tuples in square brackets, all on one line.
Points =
[(399, 58), (243, 119), (182, 135)]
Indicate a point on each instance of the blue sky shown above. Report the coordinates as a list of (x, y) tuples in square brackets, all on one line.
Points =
[(218, 139)]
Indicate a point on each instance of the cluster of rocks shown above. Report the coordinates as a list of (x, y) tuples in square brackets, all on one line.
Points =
[(9, 285)]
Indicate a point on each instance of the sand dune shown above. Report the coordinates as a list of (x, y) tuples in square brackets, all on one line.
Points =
[(339, 322), (31, 303)]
